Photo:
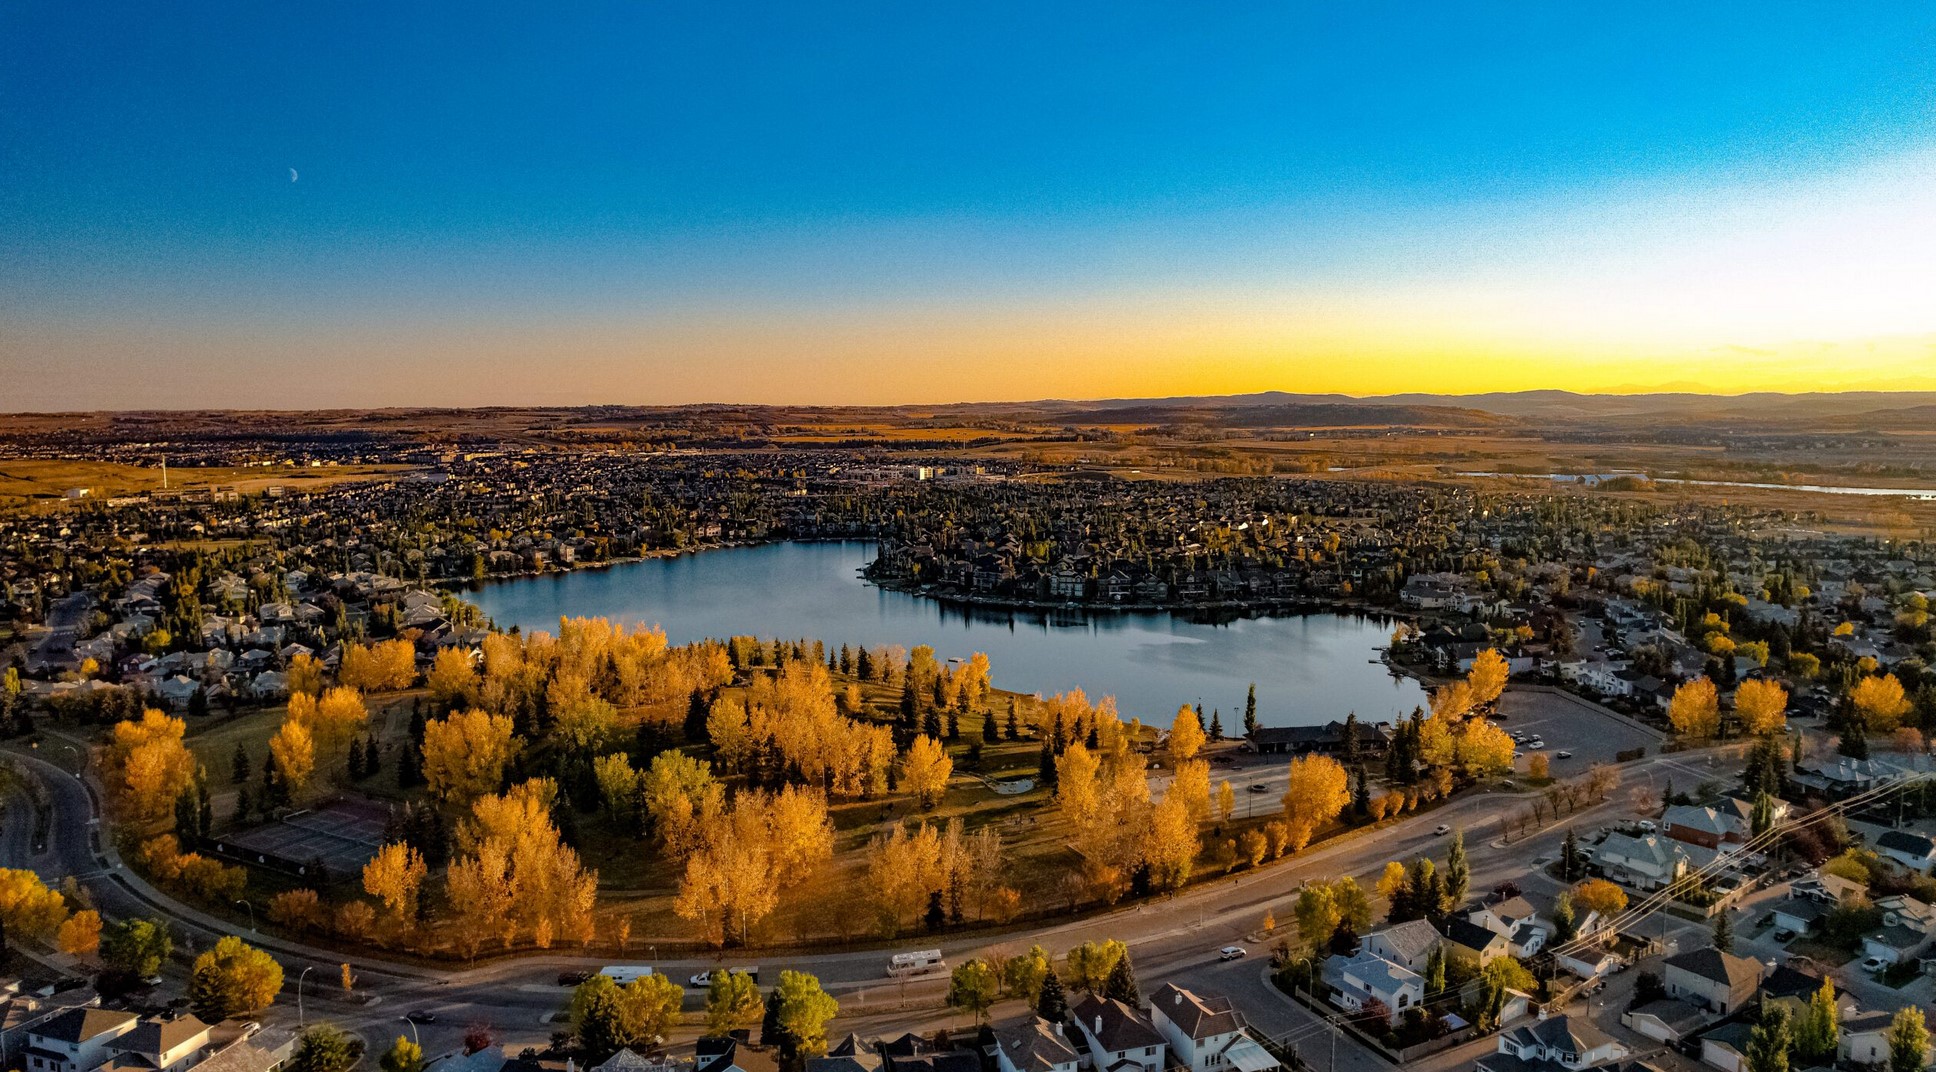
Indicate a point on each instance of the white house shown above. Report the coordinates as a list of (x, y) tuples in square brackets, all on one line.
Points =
[(1865, 1038), (1205, 1034), (1645, 863), (1366, 977), (1912, 850), (1118, 1037), (1907, 927), (1514, 919), (1034, 1046), (1566, 1041), (78, 1040)]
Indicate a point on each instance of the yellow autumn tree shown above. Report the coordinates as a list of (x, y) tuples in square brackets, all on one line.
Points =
[(1454, 701), (465, 755), (332, 720), (925, 771), (384, 666), (1191, 787), (394, 876), (1172, 846), (294, 752), (1318, 789), (27, 906), (511, 855), (1880, 702), (81, 934), (1186, 735), (305, 675), (1762, 705), (149, 764), (452, 678), (1695, 709), (1484, 748), (1488, 676)]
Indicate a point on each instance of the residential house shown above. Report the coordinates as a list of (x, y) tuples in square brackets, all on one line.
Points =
[(1468, 940), (1557, 1042), (161, 1045), (1716, 981), (1205, 1034), (1409, 944), (1725, 1047), (1514, 919), (852, 1055), (77, 1040), (1912, 850), (1865, 1038), (1797, 914), (1645, 863), (1665, 1020), (1117, 1038), (1907, 926), (1034, 1045), (1793, 988), (1364, 978)]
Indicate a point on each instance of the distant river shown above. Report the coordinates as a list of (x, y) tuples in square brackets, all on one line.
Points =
[(1309, 669)]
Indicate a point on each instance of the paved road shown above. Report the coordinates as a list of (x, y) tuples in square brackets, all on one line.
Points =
[(1171, 939), (55, 650)]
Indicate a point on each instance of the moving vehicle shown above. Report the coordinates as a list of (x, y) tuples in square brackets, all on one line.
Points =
[(420, 1016), (705, 978), (624, 973), (1562, 755), (920, 963), (1259, 787), (1232, 952), (573, 978), (1443, 828)]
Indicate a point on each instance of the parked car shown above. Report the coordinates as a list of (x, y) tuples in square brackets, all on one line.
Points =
[(1647, 826), (1562, 755), (1232, 952), (1874, 965)]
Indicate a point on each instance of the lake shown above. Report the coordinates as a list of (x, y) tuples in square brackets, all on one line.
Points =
[(1309, 669)]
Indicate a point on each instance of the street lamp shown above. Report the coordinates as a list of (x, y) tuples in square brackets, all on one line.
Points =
[(415, 1037), (300, 1021), (245, 901)]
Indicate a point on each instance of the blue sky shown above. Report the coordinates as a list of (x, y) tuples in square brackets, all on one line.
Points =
[(651, 181)]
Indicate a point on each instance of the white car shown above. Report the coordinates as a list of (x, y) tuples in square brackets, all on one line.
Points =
[(705, 978), (1562, 755), (1874, 965), (1232, 952), (1443, 828), (1536, 745)]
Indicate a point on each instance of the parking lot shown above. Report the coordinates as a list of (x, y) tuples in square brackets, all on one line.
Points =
[(1570, 724)]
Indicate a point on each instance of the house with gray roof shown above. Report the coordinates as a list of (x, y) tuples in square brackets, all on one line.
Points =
[(1205, 1033), (1716, 981), (1034, 1045), (1551, 1044), (1409, 943), (1363, 978)]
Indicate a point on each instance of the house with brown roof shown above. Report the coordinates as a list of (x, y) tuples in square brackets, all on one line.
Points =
[(1716, 981), (1202, 1031), (1116, 1037), (1035, 1045), (78, 1040)]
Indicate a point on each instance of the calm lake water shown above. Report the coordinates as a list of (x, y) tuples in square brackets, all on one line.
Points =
[(1309, 669)]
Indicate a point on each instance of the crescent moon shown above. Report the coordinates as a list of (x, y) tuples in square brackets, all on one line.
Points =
[(292, 174)]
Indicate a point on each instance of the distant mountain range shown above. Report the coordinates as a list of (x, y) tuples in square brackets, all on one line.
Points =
[(1851, 410)]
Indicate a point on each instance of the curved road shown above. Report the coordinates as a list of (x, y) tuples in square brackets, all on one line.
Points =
[(1173, 939)]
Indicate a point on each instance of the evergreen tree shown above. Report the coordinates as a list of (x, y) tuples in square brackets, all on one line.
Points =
[(931, 724), (1764, 814), (694, 730), (1216, 725), (1565, 921), (1458, 873), (1045, 766), (1361, 797), (937, 914), (954, 724), (1351, 739), (239, 766), (1052, 1002), (1250, 711), (1013, 731), (990, 733), (1724, 931), (1121, 983), (372, 757), (1435, 971), (185, 819), (1569, 855), (355, 763)]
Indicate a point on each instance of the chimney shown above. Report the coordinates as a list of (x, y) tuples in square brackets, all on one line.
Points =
[(1099, 1023), (1058, 1029), (1178, 999)]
